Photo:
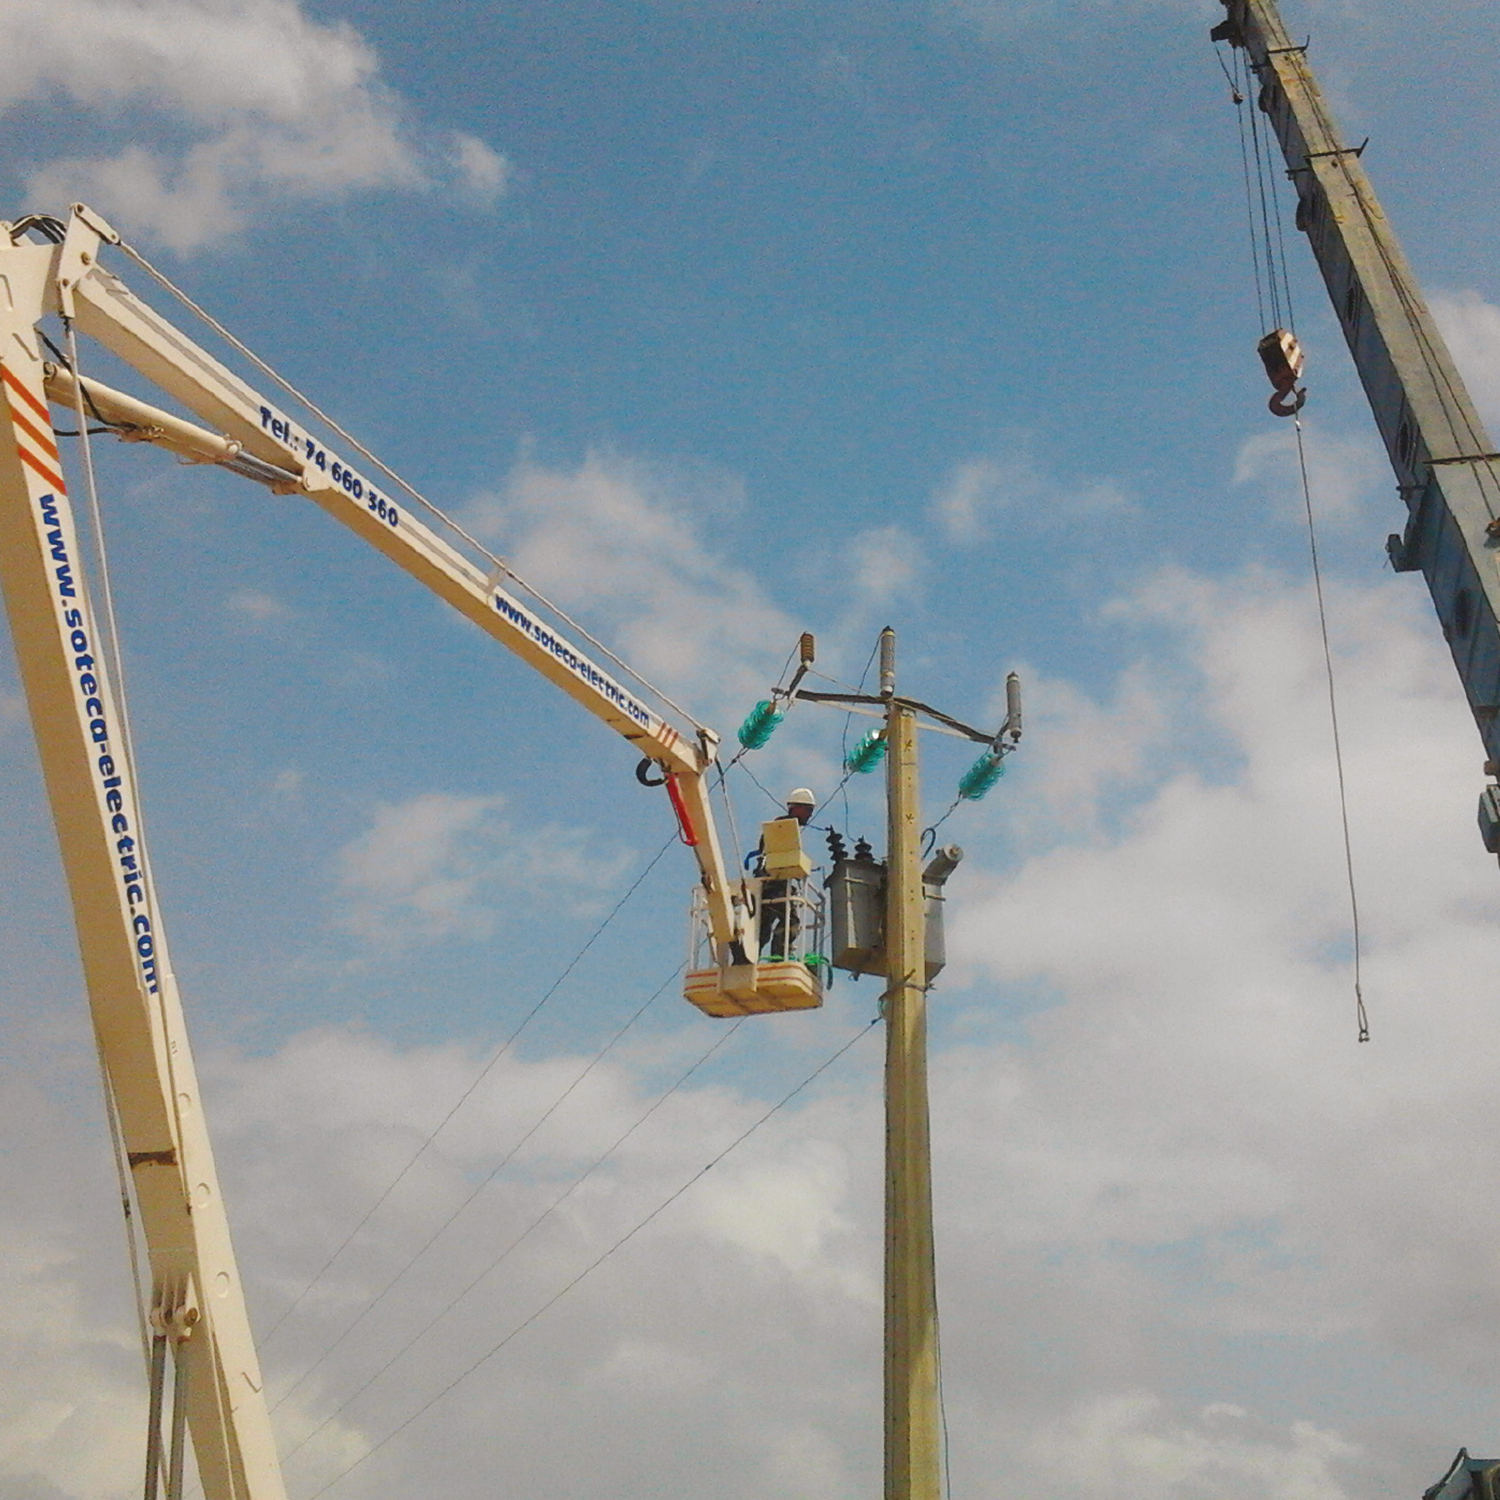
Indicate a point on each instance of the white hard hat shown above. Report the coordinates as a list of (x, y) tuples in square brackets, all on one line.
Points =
[(801, 795)]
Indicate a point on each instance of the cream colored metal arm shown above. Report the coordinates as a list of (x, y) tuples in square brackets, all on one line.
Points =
[(196, 1295), (239, 417)]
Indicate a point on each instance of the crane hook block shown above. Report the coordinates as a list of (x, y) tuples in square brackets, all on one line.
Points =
[(1284, 360)]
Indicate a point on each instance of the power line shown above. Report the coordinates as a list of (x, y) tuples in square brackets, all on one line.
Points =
[(594, 1265), (536, 1223), (494, 1172), (463, 1098)]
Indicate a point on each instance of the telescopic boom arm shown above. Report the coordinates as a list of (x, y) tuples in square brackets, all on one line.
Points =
[(196, 1301), (1444, 461)]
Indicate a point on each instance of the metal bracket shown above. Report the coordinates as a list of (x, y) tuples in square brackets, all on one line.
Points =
[(80, 249)]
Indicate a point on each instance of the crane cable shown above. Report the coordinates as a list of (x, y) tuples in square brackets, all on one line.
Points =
[(594, 1265), (1362, 1020), (127, 754), (1265, 252)]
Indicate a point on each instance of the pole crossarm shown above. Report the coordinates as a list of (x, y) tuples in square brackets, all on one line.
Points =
[(943, 723)]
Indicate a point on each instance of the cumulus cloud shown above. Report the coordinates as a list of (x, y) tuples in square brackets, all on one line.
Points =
[(1203, 950), (1130, 1443), (240, 104), (978, 491), (1166, 1174), (1471, 326), (1342, 473), (482, 171), (620, 542), (437, 864)]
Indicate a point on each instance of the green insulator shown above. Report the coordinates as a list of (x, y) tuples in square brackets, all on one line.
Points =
[(760, 724), (981, 776), (868, 753)]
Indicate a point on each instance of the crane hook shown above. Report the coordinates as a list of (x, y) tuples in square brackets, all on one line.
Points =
[(1283, 359)]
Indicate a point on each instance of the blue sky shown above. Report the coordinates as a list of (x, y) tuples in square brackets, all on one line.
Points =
[(722, 322)]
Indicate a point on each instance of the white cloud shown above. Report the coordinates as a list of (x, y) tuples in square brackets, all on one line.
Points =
[(1203, 1028), (1129, 1444), (620, 543), (437, 864), (257, 606), (1471, 326), (886, 562), (1343, 474), (274, 105), (481, 169), (977, 492)]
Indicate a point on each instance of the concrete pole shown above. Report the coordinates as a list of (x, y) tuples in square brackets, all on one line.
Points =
[(911, 1393)]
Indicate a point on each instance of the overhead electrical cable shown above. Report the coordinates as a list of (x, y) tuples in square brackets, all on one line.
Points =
[(593, 1265), (535, 1224), (468, 1093), (480, 1186)]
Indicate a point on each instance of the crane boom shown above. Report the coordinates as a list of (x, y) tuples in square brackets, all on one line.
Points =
[(196, 1298), (1444, 461), (197, 1305)]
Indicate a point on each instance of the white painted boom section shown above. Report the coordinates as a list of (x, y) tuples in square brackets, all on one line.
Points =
[(108, 311), (196, 1295), (133, 998)]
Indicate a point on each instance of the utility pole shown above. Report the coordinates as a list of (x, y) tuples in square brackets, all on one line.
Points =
[(900, 950), (911, 1356)]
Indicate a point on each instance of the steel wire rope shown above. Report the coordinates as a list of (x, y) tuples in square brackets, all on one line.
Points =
[(463, 1098), (535, 1224), (1361, 1017), (122, 1176), (1260, 154), (594, 1265), (1279, 279), (1362, 1020), (1238, 96), (435, 511), (494, 1172), (111, 1106)]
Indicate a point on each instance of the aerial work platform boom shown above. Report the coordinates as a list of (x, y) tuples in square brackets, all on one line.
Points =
[(67, 668), (1444, 462)]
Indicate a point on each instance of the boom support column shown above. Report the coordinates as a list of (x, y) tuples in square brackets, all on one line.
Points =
[(197, 1301)]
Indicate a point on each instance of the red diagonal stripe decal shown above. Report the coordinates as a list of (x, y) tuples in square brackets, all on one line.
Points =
[(32, 462), (14, 382), (43, 440)]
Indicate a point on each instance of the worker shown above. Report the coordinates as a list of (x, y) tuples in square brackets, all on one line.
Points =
[(780, 908)]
